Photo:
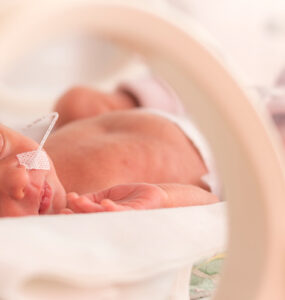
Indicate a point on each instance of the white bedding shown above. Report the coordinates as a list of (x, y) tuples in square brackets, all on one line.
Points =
[(107, 255)]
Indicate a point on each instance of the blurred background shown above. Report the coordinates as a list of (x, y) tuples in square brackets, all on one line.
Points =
[(250, 32)]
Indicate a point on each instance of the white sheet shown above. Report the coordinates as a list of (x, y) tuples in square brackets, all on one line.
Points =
[(107, 255)]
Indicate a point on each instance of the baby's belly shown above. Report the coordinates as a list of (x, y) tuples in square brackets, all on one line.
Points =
[(123, 147)]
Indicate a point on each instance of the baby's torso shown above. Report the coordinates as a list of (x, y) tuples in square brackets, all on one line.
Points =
[(123, 147)]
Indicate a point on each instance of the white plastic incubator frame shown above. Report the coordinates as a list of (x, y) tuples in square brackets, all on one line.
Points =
[(243, 141)]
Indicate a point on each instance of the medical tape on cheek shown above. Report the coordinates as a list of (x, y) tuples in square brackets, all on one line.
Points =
[(38, 159)]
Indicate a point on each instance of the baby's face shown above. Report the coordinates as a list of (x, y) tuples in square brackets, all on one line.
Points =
[(26, 192)]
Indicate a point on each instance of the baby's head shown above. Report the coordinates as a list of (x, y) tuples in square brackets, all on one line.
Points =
[(22, 191)]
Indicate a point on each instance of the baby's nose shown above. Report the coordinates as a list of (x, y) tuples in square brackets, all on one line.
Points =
[(17, 193), (16, 182)]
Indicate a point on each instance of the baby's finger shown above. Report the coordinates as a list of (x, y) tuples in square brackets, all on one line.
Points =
[(110, 205), (66, 211), (84, 205), (71, 197), (95, 197), (71, 200)]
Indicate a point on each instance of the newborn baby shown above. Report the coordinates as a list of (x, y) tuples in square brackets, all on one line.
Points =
[(106, 154)]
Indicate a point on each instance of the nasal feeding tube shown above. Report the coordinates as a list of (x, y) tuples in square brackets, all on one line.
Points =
[(38, 159)]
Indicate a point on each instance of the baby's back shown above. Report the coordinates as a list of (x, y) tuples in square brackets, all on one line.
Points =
[(123, 147)]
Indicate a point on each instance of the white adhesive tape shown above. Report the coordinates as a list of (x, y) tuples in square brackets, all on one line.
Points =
[(37, 159)]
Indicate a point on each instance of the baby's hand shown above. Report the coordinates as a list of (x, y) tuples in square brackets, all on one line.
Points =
[(118, 198), (139, 196)]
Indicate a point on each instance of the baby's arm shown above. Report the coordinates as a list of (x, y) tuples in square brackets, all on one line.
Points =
[(187, 195), (139, 196)]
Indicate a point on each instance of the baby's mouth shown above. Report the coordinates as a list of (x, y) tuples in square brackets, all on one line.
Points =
[(46, 196)]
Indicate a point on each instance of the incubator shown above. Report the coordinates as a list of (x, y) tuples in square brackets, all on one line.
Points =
[(128, 255)]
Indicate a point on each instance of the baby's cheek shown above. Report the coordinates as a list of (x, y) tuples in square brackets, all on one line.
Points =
[(12, 208), (14, 181)]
